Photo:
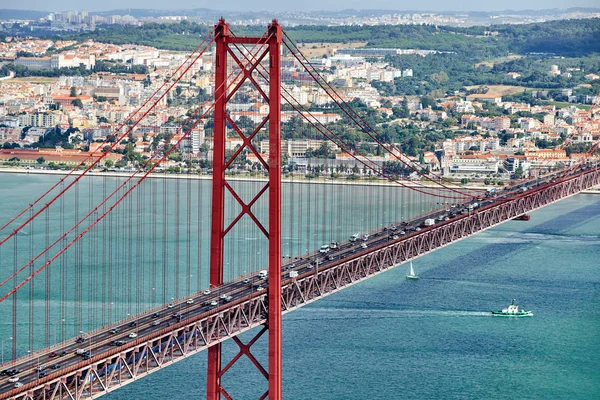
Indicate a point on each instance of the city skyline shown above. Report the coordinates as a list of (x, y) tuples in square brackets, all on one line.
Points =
[(307, 6)]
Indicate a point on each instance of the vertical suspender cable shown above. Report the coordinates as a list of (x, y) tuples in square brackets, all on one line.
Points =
[(153, 240), (48, 279), (14, 301), (177, 222), (31, 289), (165, 207)]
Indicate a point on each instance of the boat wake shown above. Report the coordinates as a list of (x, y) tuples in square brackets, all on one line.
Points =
[(360, 313), (526, 237)]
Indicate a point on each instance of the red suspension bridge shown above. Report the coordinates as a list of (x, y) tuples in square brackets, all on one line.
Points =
[(106, 279)]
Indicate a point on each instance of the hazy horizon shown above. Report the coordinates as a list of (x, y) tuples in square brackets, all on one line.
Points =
[(306, 6)]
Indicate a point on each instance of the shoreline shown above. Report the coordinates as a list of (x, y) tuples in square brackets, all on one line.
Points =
[(328, 181)]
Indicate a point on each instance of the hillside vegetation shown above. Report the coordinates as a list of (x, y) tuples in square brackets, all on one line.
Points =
[(565, 37)]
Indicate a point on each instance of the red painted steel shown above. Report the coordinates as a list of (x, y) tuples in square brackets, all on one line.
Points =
[(273, 42), (218, 196), (274, 294)]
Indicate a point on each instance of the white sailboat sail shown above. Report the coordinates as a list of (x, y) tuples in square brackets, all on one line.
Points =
[(412, 274)]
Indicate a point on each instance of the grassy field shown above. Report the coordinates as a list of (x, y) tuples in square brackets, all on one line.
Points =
[(564, 104), (319, 49), (33, 79), (500, 60), (502, 90)]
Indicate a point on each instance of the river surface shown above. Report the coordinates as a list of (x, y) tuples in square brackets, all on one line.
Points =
[(434, 338)]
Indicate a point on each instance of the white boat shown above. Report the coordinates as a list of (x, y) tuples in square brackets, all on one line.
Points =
[(411, 274), (512, 311)]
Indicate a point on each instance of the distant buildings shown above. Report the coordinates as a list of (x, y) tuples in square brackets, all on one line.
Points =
[(57, 61), (380, 52), (44, 120)]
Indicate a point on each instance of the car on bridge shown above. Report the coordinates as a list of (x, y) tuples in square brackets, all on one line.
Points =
[(8, 372), (324, 249), (226, 299)]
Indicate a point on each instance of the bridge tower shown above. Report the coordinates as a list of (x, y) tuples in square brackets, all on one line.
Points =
[(225, 48)]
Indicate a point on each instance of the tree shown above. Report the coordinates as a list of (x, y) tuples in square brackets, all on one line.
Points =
[(77, 103), (40, 160), (427, 101), (519, 172), (109, 163), (73, 91)]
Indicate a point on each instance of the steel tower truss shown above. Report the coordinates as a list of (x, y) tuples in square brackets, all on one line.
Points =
[(226, 46)]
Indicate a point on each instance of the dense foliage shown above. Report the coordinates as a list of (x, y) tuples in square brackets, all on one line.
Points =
[(101, 66), (564, 37)]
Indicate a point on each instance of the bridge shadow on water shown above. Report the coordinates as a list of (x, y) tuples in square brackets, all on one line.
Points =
[(519, 241)]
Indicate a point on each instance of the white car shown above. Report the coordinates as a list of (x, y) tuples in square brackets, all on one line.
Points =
[(213, 303), (207, 291), (190, 301), (170, 305), (18, 385), (132, 335), (13, 379)]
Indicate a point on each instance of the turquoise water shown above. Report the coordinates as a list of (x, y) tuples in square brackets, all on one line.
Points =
[(388, 338), (154, 246)]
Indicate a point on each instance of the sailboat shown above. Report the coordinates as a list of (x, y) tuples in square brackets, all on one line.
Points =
[(411, 274)]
